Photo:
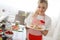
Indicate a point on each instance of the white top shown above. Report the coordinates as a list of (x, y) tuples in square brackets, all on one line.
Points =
[(36, 32)]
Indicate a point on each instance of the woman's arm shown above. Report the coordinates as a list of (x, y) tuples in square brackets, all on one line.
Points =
[(47, 27), (44, 32)]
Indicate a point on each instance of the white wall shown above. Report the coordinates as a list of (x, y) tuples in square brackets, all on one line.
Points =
[(26, 5), (53, 9)]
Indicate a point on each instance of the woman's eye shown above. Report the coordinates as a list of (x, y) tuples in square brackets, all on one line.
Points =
[(43, 7), (39, 7)]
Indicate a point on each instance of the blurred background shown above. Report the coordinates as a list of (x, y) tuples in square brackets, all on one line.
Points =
[(15, 7)]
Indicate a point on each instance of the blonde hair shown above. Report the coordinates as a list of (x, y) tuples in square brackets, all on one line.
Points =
[(43, 1)]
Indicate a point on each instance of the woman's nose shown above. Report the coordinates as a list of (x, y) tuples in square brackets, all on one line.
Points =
[(41, 9)]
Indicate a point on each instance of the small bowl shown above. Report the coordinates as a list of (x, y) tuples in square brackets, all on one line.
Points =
[(1, 33), (9, 35)]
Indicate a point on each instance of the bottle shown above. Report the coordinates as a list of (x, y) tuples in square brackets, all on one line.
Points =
[(3, 25), (0, 36)]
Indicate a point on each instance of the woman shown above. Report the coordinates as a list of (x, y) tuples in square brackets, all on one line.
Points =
[(37, 21)]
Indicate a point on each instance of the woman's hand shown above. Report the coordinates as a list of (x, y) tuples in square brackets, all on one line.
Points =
[(44, 32), (36, 27)]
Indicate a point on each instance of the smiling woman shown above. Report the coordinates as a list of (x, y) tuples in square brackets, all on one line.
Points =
[(38, 23)]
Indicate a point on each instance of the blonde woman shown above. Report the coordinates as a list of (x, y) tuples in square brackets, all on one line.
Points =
[(38, 21)]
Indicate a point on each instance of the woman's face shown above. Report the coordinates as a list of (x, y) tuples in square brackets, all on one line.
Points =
[(42, 7)]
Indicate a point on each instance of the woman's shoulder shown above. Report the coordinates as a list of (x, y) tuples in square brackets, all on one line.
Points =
[(47, 17)]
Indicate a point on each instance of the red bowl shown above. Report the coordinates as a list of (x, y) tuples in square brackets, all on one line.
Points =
[(8, 33)]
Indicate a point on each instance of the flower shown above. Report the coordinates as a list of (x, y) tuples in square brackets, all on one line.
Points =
[(42, 22)]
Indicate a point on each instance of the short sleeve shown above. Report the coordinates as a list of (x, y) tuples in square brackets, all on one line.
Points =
[(48, 24), (28, 20)]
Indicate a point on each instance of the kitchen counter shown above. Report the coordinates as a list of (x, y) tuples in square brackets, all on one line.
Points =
[(19, 35)]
